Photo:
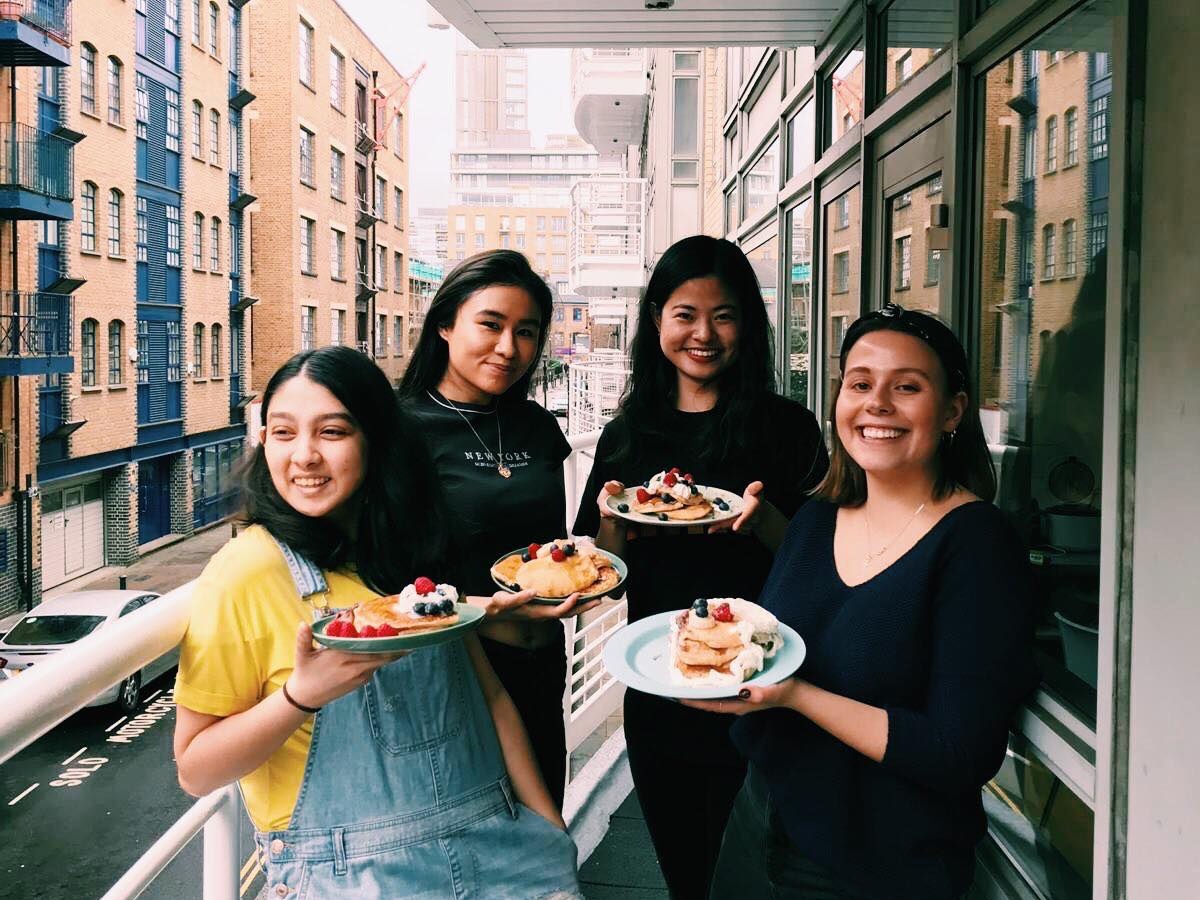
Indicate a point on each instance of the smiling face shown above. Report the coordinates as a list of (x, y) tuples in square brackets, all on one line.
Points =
[(698, 329), (492, 343), (892, 410), (315, 450)]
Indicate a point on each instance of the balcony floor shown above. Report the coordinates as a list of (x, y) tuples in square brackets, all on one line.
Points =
[(624, 866)]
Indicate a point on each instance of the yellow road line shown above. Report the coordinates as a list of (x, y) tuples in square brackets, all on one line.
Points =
[(249, 862)]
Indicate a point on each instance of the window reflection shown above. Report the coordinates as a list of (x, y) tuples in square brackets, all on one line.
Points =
[(915, 266), (843, 246), (764, 258), (799, 271), (917, 33), (761, 182), (800, 140), (844, 94)]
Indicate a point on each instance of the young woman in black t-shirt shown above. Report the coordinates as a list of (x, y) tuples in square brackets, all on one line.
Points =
[(499, 457), (701, 396)]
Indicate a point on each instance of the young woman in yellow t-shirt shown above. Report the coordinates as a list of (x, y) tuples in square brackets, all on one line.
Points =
[(364, 776)]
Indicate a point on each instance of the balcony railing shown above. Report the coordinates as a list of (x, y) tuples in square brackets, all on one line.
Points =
[(35, 161), (50, 16), (35, 325), (62, 685)]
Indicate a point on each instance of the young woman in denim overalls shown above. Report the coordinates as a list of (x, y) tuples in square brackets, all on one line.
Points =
[(365, 776)]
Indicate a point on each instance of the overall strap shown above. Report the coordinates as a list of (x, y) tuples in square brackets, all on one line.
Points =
[(309, 580)]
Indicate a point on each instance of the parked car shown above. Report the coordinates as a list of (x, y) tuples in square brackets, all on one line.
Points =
[(55, 624), (556, 402), (8, 622)]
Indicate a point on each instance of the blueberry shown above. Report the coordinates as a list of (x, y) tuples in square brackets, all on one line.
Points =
[(447, 606), (646, 483), (419, 609), (623, 507), (524, 556), (700, 603), (569, 550), (662, 517), (701, 612)]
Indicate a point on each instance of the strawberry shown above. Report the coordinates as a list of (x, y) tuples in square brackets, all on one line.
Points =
[(424, 586), (533, 550), (671, 479), (386, 630), (643, 495), (369, 632), (557, 555), (722, 613)]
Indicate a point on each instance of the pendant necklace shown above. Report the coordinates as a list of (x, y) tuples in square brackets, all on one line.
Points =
[(871, 557), (505, 471)]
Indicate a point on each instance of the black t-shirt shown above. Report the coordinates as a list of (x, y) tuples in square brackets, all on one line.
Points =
[(671, 567), (488, 514)]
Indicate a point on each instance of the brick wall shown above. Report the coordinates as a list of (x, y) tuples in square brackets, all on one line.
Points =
[(120, 514), (181, 494)]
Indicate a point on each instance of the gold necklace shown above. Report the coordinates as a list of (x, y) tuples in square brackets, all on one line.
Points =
[(871, 557), (505, 471)]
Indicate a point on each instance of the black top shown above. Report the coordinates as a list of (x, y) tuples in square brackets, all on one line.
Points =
[(490, 515), (673, 567), (942, 640)]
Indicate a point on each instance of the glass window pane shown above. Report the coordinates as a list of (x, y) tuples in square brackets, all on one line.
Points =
[(843, 248), (800, 140), (844, 94), (685, 112), (761, 184), (917, 33), (764, 258), (799, 275), (914, 267)]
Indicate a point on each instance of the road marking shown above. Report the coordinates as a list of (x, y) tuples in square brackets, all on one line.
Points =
[(253, 858), (17, 799), (152, 696), (73, 756), (249, 880), (116, 723)]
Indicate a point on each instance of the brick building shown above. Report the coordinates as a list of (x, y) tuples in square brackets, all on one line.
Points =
[(327, 145)]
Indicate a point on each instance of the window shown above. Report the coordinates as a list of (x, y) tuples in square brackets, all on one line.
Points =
[(141, 105), (172, 236), (235, 249), (306, 157), (1097, 237), (577, 314), (460, 223), (308, 338), (235, 345), (934, 186), (904, 199), (838, 325), (841, 276), (141, 229), (171, 17), (904, 67), (214, 245), (216, 347), (1029, 154), (558, 224), (381, 198), (1098, 130), (398, 135), (307, 228), (687, 61), (558, 313), (1001, 247), (197, 241), (842, 212), (115, 201), (87, 350), (933, 267), (214, 137), (173, 129), (398, 272), (397, 335), (381, 281), (478, 241), (197, 129), (520, 242), (116, 350), (1069, 248), (235, 139), (87, 78), (480, 223), (197, 24), (380, 335), (214, 29), (1048, 264), (398, 203), (903, 263), (198, 350), (337, 79), (87, 218), (337, 326), (685, 111), (337, 174), (1071, 127), (306, 54), (541, 223), (337, 255), (1051, 144), (460, 239), (114, 90), (143, 351), (174, 352)]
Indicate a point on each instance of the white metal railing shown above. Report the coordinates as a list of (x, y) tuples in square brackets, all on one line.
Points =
[(595, 385), (67, 681)]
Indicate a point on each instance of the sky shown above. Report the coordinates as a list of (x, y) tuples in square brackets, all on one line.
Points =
[(401, 31)]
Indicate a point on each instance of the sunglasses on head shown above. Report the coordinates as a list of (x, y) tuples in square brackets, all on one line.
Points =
[(937, 336)]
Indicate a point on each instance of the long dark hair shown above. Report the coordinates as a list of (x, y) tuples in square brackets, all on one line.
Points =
[(427, 366), (962, 457), (743, 387), (401, 529)]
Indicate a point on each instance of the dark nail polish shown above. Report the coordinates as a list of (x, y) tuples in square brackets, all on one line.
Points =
[(744, 694)]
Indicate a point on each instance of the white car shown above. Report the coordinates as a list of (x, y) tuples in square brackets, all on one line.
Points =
[(53, 624)]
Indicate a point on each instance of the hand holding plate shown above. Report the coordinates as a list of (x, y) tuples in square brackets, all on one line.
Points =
[(322, 674), (750, 698), (751, 507)]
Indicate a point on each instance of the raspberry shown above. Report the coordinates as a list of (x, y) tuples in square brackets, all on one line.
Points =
[(643, 495), (369, 632), (722, 613), (533, 550), (348, 630), (674, 470), (336, 628), (424, 586), (557, 555), (688, 478), (386, 630), (671, 479)]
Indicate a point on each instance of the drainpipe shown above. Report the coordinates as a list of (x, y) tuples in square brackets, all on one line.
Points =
[(21, 497)]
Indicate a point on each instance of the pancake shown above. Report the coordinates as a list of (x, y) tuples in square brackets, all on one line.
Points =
[(656, 505), (391, 611), (691, 512), (721, 641), (549, 578), (506, 569)]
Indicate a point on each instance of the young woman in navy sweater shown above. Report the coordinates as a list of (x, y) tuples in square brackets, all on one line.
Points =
[(912, 594)]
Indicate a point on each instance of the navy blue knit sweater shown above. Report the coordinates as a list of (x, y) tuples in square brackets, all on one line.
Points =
[(941, 640)]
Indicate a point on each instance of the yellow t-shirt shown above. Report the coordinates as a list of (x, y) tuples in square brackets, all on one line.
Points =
[(240, 646)]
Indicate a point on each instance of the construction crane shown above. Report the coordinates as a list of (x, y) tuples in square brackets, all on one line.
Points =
[(394, 96)]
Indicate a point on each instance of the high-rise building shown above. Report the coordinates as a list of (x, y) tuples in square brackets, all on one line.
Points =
[(328, 160), (492, 103)]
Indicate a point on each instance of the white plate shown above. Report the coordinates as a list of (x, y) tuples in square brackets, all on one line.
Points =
[(628, 497)]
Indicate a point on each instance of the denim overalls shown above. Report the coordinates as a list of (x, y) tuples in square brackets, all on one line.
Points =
[(405, 794)]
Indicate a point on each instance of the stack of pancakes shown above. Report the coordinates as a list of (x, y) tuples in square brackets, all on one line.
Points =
[(586, 571), (705, 651), (397, 612)]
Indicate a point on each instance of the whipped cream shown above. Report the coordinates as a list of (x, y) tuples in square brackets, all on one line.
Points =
[(680, 490), (758, 629), (583, 547), (409, 597)]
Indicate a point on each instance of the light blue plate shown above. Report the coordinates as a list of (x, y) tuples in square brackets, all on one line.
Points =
[(469, 618), (636, 656)]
